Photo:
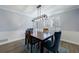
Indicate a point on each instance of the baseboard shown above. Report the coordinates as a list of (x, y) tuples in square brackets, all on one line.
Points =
[(12, 40), (76, 43), (9, 41)]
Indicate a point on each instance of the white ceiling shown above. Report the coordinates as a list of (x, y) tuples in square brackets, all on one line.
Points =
[(31, 10)]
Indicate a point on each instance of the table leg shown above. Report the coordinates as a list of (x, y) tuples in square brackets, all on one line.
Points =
[(41, 49), (52, 39), (31, 48)]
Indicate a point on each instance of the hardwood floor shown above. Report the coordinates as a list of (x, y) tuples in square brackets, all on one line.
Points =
[(72, 47), (14, 47), (18, 47)]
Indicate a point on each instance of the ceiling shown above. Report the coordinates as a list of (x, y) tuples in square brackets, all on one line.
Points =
[(31, 10)]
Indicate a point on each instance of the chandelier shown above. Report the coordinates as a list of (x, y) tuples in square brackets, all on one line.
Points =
[(40, 17)]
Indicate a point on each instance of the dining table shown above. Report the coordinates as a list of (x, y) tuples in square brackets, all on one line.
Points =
[(42, 37)]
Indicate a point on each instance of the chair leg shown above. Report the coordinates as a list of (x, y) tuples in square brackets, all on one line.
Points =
[(27, 44), (38, 45), (31, 48), (57, 51)]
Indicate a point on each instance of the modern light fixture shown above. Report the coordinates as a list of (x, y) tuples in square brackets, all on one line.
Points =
[(40, 17), (39, 13)]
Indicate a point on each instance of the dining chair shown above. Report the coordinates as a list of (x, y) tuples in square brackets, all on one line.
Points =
[(30, 40), (49, 45)]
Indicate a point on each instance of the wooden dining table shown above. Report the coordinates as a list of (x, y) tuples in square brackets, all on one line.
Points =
[(41, 36)]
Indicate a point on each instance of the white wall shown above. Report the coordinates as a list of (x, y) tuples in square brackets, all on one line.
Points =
[(13, 25), (70, 26), (10, 21), (70, 36)]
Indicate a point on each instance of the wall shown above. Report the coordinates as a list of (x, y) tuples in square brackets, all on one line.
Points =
[(70, 26), (12, 26), (70, 36), (10, 21)]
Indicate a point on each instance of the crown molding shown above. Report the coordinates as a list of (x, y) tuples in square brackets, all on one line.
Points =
[(63, 11), (14, 11)]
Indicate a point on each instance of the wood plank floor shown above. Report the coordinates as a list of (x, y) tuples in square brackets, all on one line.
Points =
[(18, 47), (13, 47), (72, 47)]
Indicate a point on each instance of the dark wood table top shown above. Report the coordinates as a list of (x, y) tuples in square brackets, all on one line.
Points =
[(41, 35)]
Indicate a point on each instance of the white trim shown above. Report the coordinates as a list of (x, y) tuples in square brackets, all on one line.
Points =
[(9, 41), (23, 38), (14, 11), (63, 11), (76, 43)]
